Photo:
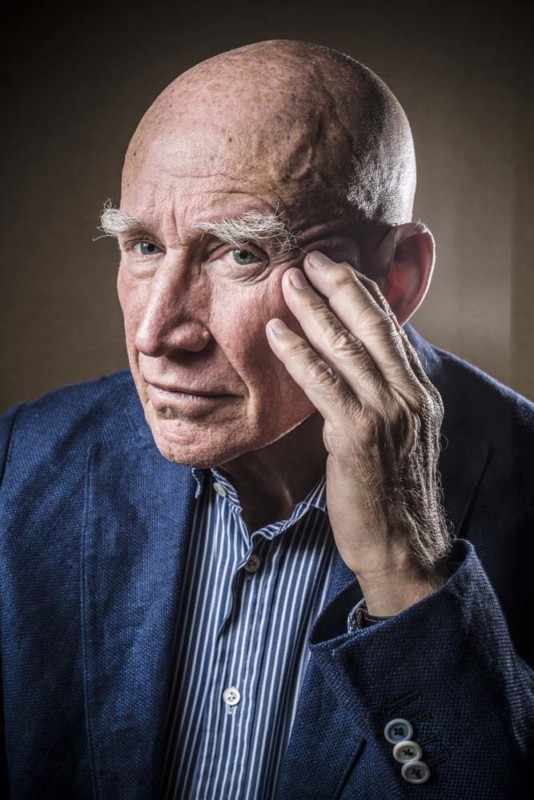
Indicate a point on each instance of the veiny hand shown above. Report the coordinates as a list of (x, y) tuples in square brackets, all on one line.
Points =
[(382, 419)]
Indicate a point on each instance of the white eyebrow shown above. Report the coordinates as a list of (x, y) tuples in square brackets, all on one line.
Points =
[(253, 226), (113, 221)]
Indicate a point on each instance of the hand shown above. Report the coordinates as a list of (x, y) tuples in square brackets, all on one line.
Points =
[(382, 419)]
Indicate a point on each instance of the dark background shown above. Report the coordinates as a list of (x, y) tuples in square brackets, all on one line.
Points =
[(76, 80)]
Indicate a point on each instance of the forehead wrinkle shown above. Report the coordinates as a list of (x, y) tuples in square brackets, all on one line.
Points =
[(253, 226)]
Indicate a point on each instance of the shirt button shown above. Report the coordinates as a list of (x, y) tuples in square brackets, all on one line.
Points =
[(415, 772), (407, 751), (252, 564), (232, 696), (398, 730), (219, 488)]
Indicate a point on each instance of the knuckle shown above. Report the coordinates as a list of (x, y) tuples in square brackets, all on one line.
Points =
[(321, 374), (343, 343), (323, 314), (341, 278), (377, 322), (301, 349)]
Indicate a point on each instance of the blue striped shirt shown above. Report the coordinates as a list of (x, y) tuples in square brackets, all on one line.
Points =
[(248, 602)]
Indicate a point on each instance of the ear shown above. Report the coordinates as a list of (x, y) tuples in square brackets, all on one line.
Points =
[(405, 261)]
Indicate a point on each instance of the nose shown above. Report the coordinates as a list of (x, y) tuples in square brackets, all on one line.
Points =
[(171, 312)]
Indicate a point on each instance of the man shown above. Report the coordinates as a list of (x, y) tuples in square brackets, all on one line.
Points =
[(244, 585)]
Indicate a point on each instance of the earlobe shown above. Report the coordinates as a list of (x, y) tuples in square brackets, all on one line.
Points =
[(407, 273)]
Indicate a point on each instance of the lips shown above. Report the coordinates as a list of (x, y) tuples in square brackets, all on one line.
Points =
[(182, 389), (191, 390)]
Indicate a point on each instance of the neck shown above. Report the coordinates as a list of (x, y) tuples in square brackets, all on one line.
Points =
[(271, 481)]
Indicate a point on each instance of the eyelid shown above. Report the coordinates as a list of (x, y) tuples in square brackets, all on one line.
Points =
[(223, 248), (128, 245)]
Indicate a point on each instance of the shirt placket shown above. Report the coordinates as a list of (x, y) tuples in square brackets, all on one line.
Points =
[(229, 710)]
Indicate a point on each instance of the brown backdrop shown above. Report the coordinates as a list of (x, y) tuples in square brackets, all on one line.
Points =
[(77, 81)]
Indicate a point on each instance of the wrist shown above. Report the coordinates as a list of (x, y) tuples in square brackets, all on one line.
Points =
[(392, 591)]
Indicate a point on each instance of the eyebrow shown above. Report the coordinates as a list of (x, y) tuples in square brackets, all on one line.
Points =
[(252, 226), (114, 222)]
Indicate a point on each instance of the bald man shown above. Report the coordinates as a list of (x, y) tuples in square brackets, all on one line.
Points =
[(234, 570)]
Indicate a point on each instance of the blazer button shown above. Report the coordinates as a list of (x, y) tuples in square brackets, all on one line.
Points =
[(415, 772), (398, 730), (407, 751)]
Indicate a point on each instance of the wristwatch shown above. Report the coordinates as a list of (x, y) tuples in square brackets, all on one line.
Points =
[(360, 618)]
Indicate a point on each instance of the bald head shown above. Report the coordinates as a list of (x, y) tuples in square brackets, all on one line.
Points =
[(311, 126)]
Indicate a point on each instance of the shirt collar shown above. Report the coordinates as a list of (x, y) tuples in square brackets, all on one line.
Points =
[(212, 476), (316, 498)]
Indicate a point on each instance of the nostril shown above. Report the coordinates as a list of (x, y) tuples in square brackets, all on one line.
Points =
[(154, 339)]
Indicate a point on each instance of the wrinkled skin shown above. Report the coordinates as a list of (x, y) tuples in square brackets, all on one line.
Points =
[(222, 141), (382, 419)]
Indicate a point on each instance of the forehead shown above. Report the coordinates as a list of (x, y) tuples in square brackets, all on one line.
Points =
[(234, 159)]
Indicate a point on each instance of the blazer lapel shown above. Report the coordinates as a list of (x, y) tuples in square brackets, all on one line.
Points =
[(138, 512), (461, 466), (463, 458)]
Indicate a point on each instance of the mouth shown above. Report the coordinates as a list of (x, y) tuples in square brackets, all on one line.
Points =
[(184, 391), (165, 397)]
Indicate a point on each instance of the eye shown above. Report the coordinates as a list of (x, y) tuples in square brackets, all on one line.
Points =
[(147, 248), (243, 257)]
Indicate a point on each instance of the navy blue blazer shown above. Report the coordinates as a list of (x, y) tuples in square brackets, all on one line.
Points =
[(93, 531)]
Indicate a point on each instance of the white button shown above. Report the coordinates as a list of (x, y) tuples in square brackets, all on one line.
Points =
[(407, 751), (415, 772), (220, 489), (253, 563), (398, 730), (232, 696)]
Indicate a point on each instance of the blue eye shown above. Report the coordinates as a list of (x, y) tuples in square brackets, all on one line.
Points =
[(148, 248), (243, 257)]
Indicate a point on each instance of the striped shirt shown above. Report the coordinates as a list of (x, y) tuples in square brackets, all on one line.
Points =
[(247, 606)]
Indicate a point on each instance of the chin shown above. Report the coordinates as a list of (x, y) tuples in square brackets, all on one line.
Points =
[(195, 445), (212, 446), (203, 455)]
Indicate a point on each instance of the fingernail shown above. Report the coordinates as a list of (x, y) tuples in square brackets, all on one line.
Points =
[(277, 326), (297, 279), (319, 260)]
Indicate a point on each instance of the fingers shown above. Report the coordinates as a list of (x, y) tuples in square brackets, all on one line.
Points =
[(320, 381), (382, 415), (355, 331), (407, 347)]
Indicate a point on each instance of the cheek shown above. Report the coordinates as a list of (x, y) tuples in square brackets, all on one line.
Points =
[(239, 317), (240, 332), (132, 301)]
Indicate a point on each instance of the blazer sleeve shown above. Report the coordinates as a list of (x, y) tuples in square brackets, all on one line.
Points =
[(443, 675)]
